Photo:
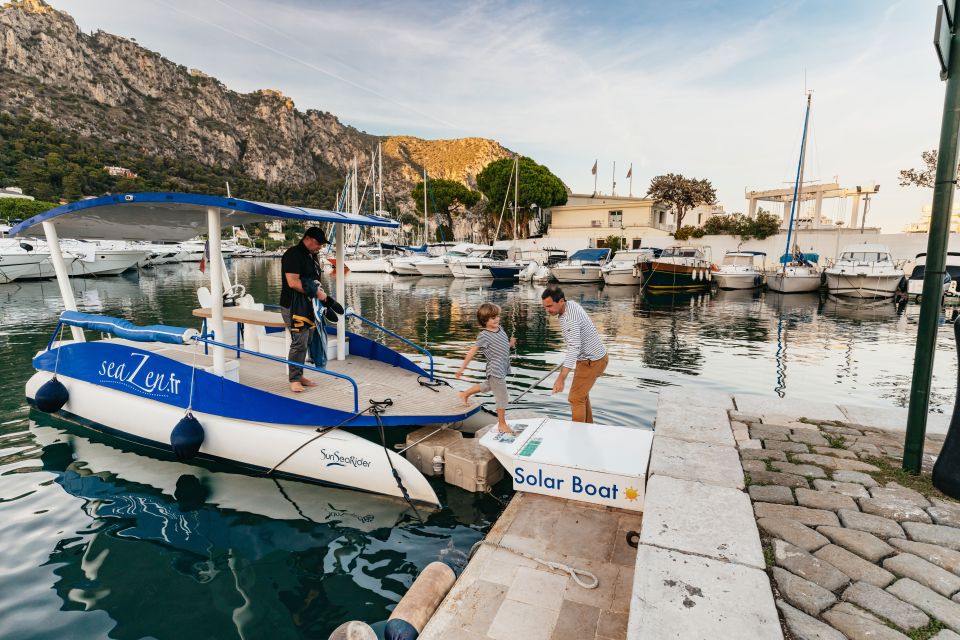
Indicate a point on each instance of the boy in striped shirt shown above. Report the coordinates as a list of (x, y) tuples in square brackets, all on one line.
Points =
[(495, 345)]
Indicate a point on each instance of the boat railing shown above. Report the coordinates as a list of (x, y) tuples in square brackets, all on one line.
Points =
[(353, 314), (356, 389)]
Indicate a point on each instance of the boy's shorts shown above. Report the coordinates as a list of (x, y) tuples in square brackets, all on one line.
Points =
[(499, 388)]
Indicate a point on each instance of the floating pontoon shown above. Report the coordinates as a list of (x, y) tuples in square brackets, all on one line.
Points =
[(138, 382)]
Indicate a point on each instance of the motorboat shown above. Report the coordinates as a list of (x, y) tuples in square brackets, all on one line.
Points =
[(950, 276), (101, 257), (477, 263), (373, 259), (739, 270), (20, 260), (440, 265), (864, 271), (798, 273), (539, 270), (626, 267), (679, 268), (406, 265), (186, 391), (582, 266)]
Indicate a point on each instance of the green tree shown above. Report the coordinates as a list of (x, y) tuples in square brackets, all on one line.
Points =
[(924, 177), (761, 226), (12, 208), (538, 186), (681, 193), (614, 243), (687, 232), (445, 196)]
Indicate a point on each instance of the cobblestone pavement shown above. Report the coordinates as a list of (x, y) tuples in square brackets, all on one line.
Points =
[(854, 547)]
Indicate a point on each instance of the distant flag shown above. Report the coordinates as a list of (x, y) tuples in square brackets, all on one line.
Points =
[(630, 172), (205, 257), (594, 170)]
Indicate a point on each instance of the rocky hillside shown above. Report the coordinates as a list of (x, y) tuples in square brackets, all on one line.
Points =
[(110, 89)]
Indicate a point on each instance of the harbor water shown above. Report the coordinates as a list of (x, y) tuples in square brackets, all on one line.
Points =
[(103, 539)]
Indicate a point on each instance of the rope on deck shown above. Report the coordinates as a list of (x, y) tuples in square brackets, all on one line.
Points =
[(574, 572)]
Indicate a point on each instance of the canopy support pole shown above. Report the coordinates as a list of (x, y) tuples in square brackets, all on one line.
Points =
[(340, 231), (63, 278), (216, 287)]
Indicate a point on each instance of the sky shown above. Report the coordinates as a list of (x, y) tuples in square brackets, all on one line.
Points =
[(709, 89)]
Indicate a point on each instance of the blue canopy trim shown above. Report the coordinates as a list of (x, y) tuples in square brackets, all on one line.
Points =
[(126, 329), (590, 255), (805, 257), (173, 217)]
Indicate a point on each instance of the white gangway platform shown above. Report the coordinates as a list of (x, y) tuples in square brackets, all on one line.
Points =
[(597, 463)]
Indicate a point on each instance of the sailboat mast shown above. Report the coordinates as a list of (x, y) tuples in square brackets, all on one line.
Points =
[(424, 205), (798, 187), (516, 198)]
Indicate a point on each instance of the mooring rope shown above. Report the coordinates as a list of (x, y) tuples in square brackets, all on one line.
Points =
[(574, 572), (321, 431), (377, 407)]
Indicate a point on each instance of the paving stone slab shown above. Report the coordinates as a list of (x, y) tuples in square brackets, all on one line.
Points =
[(866, 545), (841, 431), (693, 423), (860, 628), (894, 491), (894, 419), (933, 534), (809, 437), (752, 466), (676, 595), (851, 489), (877, 601), (881, 527), (808, 566), (789, 447), (941, 556), (837, 453), (946, 634), (803, 515), (696, 461), (699, 397), (857, 477), (894, 509), (839, 464), (750, 444), (805, 470), (865, 449), (907, 565), (804, 627), (706, 520), (762, 454), (855, 567), (782, 479), (793, 532), (771, 493), (827, 500), (772, 432), (945, 513), (846, 607), (760, 405), (807, 596), (743, 417), (928, 601)]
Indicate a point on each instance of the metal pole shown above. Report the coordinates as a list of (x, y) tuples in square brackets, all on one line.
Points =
[(63, 277), (216, 287), (936, 265), (798, 187)]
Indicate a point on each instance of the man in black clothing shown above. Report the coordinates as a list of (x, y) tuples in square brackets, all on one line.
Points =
[(299, 267)]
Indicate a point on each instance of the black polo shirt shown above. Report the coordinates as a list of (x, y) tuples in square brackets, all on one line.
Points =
[(296, 260)]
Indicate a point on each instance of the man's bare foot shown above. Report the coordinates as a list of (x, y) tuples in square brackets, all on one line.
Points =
[(504, 428), (464, 397), (296, 387), (307, 383)]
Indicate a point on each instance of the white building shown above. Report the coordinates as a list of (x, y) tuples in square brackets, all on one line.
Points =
[(14, 192)]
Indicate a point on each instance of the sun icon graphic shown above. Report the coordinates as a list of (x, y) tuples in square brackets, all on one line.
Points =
[(631, 494)]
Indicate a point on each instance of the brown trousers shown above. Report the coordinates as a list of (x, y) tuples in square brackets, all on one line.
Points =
[(584, 376)]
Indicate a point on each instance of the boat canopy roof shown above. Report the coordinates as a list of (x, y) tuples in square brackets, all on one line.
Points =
[(804, 257), (173, 217), (746, 253), (590, 255)]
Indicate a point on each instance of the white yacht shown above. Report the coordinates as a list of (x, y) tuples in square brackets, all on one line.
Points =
[(583, 266), (477, 264), (21, 260), (864, 271), (440, 266), (100, 258), (797, 273), (626, 267), (739, 270), (915, 282), (373, 259)]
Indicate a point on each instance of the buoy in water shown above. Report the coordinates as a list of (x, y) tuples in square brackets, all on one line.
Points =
[(419, 604), (187, 437), (51, 396)]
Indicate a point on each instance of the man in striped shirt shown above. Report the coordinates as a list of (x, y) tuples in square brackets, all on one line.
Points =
[(584, 353)]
